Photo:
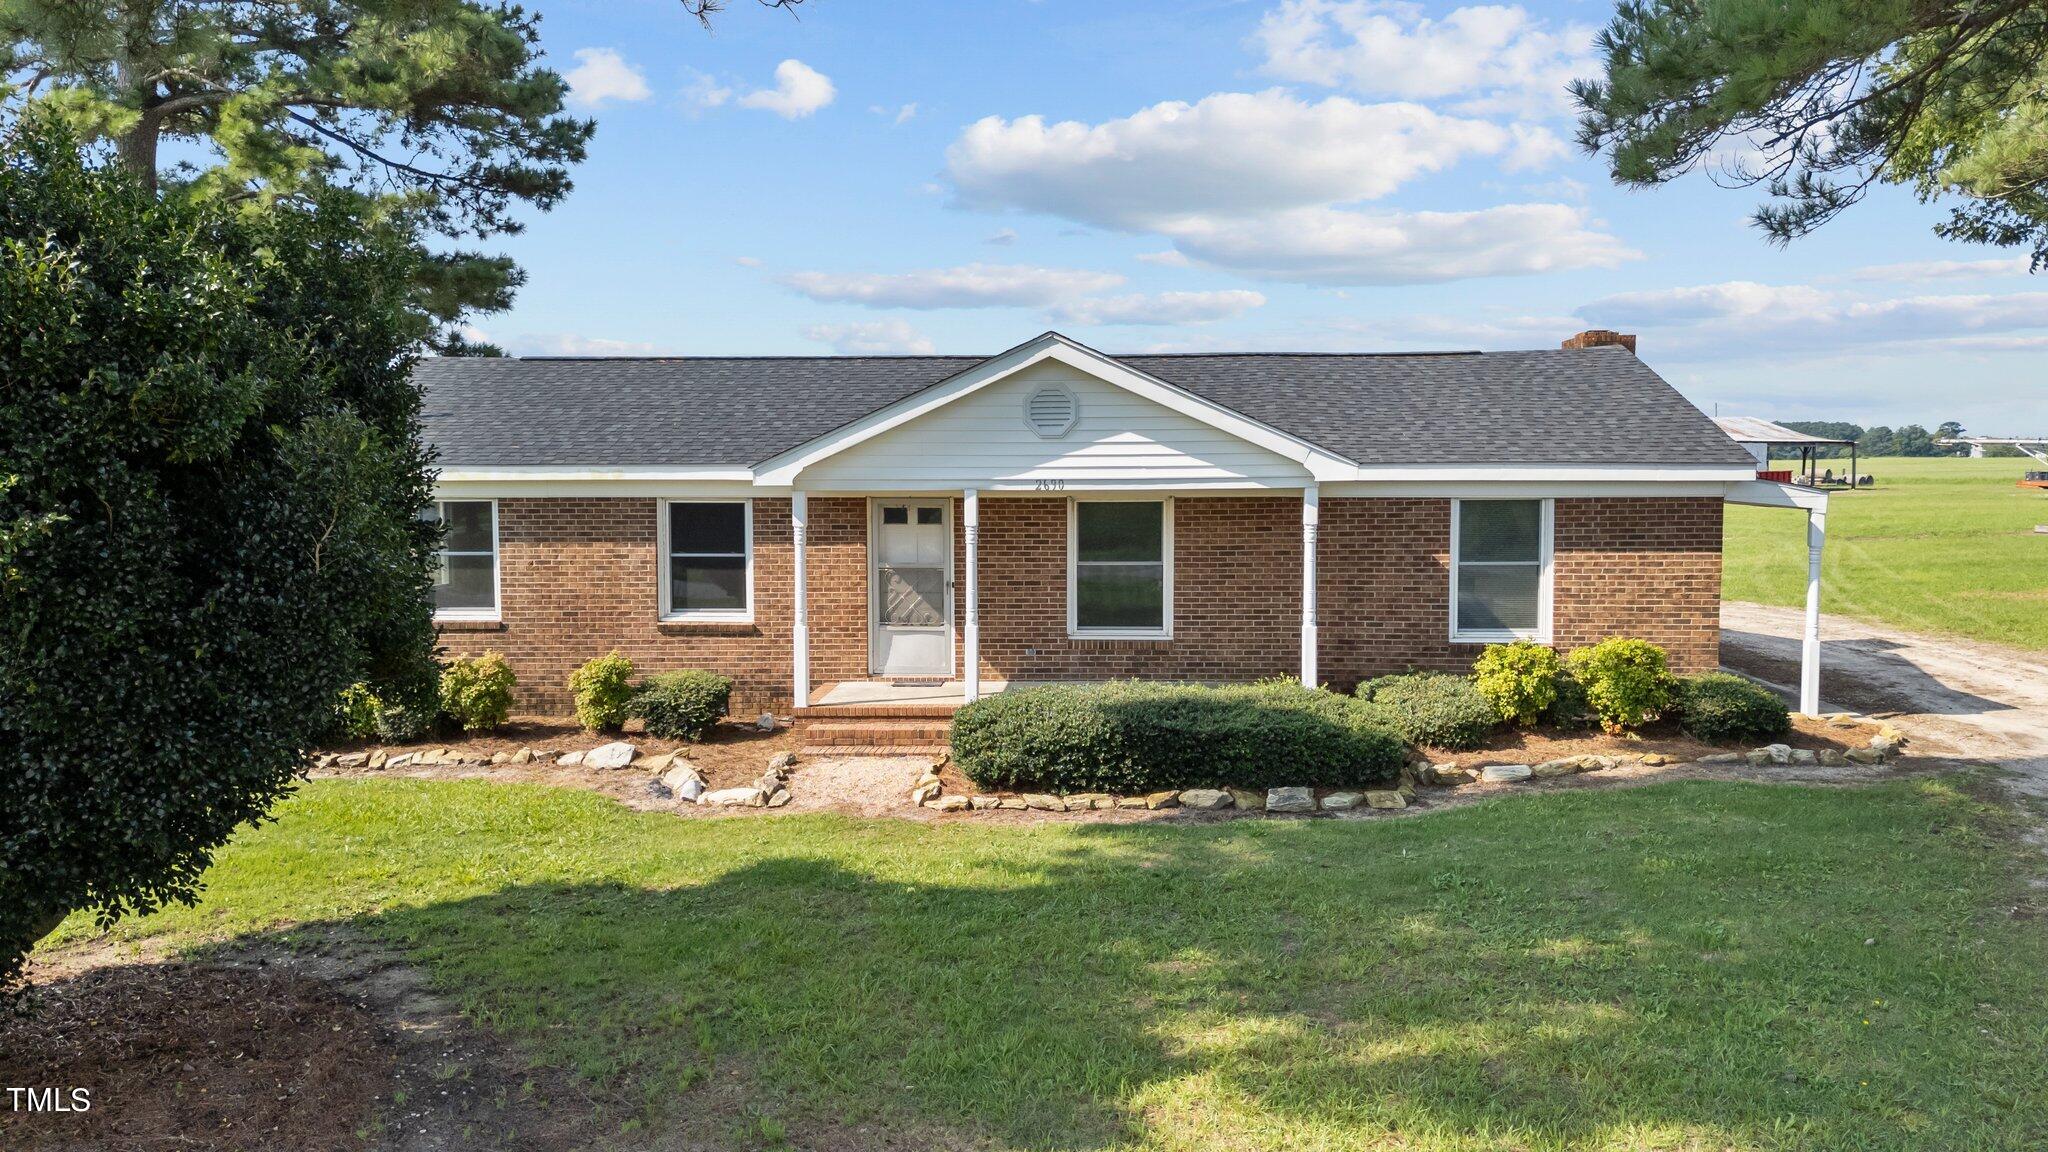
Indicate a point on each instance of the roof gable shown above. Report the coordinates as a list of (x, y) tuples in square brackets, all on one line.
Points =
[(1049, 348)]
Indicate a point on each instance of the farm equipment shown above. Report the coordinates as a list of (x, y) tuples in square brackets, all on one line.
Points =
[(2034, 446)]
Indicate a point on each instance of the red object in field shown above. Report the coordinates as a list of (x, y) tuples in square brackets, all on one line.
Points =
[(1779, 477)]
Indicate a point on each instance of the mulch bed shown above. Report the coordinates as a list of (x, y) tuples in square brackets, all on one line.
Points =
[(193, 1056), (1535, 745)]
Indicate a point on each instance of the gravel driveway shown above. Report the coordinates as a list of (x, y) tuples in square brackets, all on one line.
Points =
[(1958, 698)]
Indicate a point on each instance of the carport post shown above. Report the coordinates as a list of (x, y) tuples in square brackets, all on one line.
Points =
[(1809, 648), (800, 619), (1310, 509), (970, 686)]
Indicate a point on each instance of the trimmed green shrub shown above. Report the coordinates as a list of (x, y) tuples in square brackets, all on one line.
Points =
[(1518, 679), (1627, 681), (356, 712), (476, 691), (1432, 708), (683, 705), (1132, 736), (603, 690), (1727, 709)]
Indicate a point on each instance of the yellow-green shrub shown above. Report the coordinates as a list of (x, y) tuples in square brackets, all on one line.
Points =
[(1518, 679), (1628, 682), (603, 690), (476, 691)]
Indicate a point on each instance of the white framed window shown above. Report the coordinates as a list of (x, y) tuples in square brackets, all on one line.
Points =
[(1500, 570), (466, 579), (707, 560), (1120, 569)]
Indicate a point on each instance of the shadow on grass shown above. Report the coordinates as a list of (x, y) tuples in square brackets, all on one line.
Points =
[(1523, 977)]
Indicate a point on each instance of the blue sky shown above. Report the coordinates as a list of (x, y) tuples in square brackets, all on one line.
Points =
[(1304, 175)]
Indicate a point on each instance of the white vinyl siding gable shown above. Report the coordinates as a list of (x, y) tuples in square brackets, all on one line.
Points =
[(1118, 439)]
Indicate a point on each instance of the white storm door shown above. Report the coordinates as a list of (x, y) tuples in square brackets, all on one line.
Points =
[(910, 583)]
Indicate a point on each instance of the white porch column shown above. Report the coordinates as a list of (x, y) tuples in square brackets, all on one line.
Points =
[(1310, 514), (971, 675), (1809, 648), (800, 616)]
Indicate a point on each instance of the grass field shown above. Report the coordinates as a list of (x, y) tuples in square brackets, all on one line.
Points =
[(1940, 545), (1687, 966)]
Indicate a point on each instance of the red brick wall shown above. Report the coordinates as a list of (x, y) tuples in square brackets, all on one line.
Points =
[(579, 578), (1236, 594), (1649, 568)]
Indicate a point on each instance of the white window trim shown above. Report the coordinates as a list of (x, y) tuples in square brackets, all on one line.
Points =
[(1541, 633), (493, 613), (662, 578), (1074, 629)]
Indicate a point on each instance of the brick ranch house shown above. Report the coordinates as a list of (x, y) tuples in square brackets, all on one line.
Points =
[(818, 526)]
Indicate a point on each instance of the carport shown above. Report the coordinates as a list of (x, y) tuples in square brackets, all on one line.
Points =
[(1813, 502)]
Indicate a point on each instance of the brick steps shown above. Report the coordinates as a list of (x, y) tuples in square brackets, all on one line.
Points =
[(815, 750), (841, 735)]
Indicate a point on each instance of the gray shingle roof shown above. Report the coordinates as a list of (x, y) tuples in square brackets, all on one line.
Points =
[(1596, 405)]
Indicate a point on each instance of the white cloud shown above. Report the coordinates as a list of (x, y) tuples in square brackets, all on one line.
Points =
[(1170, 258), (747, 261), (1945, 269), (1460, 331), (1490, 57), (900, 114), (1161, 308), (872, 338), (1001, 236), (967, 286), (1267, 184), (571, 344), (1336, 246), (1229, 152), (703, 92), (600, 75), (1736, 319), (799, 91)]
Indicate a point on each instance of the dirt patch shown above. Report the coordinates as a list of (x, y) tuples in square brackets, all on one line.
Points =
[(323, 1044), (197, 1056)]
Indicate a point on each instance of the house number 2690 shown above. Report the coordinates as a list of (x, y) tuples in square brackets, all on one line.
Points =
[(1052, 485)]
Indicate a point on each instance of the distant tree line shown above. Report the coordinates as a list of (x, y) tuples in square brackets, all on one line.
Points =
[(1910, 440)]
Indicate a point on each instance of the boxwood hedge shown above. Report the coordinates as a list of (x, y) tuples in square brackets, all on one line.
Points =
[(1728, 709), (1131, 736), (1433, 708)]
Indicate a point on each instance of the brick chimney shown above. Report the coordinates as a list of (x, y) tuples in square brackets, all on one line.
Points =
[(1600, 338)]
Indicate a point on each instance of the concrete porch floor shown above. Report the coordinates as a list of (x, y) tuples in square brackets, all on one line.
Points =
[(867, 693)]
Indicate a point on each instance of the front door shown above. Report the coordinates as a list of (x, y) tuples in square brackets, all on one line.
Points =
[(910, 582)]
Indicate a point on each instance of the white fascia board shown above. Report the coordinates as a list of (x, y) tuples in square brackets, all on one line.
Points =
[(1771, 494), (783, 469)]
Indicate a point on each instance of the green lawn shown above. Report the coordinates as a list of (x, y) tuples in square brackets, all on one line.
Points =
[(1674, 967), (1945, 546)]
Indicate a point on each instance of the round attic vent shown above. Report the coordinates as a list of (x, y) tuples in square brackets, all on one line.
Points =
[(1051, 411)]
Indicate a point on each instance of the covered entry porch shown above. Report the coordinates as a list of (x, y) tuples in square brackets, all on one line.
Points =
[(930, 601)]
